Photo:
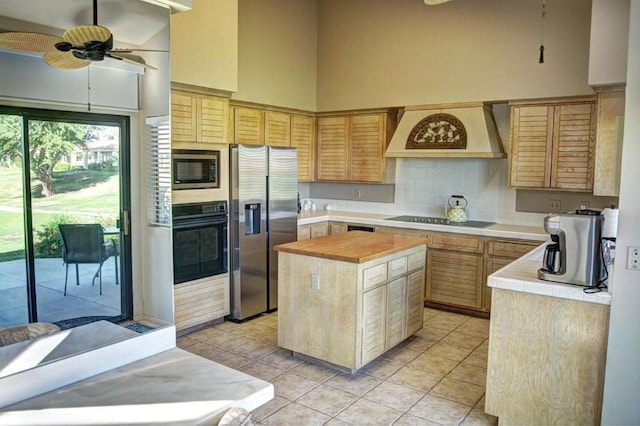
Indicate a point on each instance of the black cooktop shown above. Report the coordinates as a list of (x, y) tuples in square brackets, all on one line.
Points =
[(441, 221)]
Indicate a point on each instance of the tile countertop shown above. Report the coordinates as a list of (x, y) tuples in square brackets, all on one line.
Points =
[(497, 230), (522, 275), (173, 387)]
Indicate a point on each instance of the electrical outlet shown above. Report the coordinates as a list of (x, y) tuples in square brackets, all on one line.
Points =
[(554, 206), (584, 204), (633, 258), (315, 281)]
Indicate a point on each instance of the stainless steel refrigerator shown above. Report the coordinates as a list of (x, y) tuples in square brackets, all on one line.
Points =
[(263, 214)]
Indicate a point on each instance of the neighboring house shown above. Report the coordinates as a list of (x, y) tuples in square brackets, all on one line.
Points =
[(97, 152)]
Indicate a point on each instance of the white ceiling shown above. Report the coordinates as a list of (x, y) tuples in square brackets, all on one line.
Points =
[(132, 22)]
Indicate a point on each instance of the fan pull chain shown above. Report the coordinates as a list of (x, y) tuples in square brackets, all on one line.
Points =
[(541, 59), (89, 88)]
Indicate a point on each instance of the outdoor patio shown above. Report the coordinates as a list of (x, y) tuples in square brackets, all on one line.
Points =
[(80, 301)]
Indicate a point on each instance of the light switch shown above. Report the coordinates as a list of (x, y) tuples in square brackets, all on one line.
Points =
[(315, 281)]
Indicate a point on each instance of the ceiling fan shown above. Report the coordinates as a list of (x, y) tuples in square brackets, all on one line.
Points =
[(77, 47)]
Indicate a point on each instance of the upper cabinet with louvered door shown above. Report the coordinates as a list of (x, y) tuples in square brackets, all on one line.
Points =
[(198, 117), (248, 126), (351, 146), (552, 145), (367, 144), (277, 128), (214, 119), (573, 146), (303, 138), (184, 119), (531, 143), (333, 148)]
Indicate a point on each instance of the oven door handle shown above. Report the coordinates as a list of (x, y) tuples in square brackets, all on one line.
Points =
[(198, 223)]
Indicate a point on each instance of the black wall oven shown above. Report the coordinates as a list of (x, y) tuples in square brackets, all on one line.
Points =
[(199, 240)]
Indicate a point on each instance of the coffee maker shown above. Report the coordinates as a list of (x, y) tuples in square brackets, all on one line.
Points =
[(573, 256)]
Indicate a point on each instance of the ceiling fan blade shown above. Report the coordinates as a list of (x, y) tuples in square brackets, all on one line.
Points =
[(85, 33), (64, 60), (29, 42), (130, 59)]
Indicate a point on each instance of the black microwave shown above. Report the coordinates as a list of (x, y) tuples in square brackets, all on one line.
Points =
[(195, 169)]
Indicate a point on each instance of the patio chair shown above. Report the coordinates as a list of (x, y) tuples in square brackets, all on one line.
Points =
[(84, 243)]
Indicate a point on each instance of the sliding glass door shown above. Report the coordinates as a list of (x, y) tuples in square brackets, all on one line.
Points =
[(64, 257)]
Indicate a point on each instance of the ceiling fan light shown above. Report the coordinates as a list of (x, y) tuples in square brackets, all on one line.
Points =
[(63, 46), (79, 55)]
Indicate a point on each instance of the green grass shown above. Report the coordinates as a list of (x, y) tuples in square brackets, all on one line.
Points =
[(88, 196)]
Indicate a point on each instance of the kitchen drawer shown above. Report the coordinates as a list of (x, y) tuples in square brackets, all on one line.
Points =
[(375, 275), (397, 267), (417, 260), (456, 243), (511, 249)]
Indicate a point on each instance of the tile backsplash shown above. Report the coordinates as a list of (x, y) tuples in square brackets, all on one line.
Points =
[(424, 185)]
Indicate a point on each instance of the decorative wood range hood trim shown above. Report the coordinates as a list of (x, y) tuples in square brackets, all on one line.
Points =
[(483, 139)]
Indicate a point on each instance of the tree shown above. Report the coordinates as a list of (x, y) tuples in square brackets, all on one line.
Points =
[(49, 142), (10, 136)]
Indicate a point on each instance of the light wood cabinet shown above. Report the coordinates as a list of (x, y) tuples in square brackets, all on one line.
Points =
[(201, 301), (546, 359), (359, 311), (553, 145), (415, 299), (609, 141), (277, 128), (337, 228), (314, 230), (402, 231), (255, 125), (458, 265), (351, 147), (303, 131), (373, 322), (333, 149), (248, 126), (199, 117), (454, 270), (500, 253)]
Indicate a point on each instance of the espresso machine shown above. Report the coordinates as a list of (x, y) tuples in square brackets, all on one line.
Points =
[(573, 256)]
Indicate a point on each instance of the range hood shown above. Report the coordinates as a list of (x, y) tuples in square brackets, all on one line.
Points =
[(465, 130)]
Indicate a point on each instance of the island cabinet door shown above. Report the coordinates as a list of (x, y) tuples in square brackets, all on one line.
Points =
[(415, 300), (396, 312), (373, 320)]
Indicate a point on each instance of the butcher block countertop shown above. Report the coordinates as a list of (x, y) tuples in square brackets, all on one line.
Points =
[(354, 246)]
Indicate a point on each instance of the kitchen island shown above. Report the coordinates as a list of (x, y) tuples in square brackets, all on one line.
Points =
[(345, 299), (547, 348)]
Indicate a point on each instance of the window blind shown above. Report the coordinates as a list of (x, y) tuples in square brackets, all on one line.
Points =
[(159, 171)]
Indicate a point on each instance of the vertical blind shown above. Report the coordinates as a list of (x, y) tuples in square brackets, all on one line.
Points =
[(159, 171)]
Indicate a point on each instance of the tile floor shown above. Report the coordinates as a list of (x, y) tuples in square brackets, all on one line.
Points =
[(435, 377)]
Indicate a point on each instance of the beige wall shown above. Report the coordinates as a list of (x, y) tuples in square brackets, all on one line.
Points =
[(609, 42), (277, 53), (622, 387), (204, 45), (374, 53)]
